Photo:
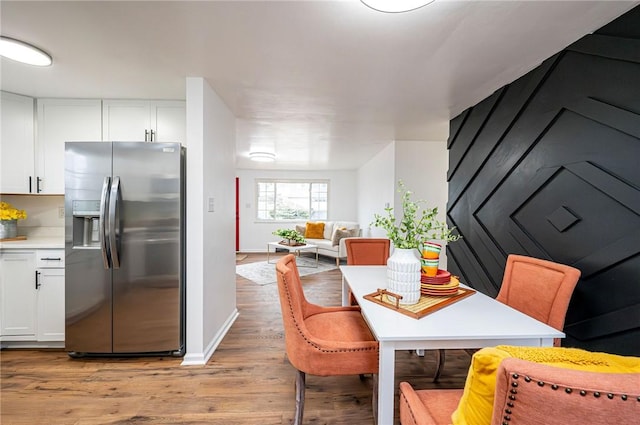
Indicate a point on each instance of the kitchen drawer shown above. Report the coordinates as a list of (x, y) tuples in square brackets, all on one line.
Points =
[(50, 258)]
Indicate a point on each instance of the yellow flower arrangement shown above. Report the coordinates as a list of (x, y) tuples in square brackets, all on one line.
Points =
[(8, 212)]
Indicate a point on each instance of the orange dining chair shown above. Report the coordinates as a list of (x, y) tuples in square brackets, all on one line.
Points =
[(528, 393), (538, 288), (322, 341), (367, 251)]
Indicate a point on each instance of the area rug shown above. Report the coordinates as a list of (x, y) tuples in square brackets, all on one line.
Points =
[(264, 274)]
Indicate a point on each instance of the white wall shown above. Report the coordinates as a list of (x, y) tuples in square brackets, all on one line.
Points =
[(422, 166), (376, 188), (254, 236), (211, 284)]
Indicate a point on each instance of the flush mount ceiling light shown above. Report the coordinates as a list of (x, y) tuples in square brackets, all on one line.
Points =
[(262, 156), (396, 6), (23, 52)]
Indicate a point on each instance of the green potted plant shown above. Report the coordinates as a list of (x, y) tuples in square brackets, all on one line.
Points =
[(417, 226), (291, 237)]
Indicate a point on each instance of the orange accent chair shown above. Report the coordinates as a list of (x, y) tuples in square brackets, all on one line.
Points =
[(539, 288), (323, 341), (531, 393), (367, 251)]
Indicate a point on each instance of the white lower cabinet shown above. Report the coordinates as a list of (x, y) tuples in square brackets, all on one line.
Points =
[(50, 310), (19, 294), (32, 296)]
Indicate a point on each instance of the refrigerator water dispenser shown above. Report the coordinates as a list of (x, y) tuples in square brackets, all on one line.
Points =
[(86, 224)]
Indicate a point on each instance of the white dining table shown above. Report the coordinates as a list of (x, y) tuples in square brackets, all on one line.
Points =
[(473, 322)]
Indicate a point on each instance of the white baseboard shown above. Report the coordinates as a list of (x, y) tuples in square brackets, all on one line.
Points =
[(199, 359)]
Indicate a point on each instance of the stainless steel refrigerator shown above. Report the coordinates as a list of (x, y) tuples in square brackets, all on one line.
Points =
[(125, 248)]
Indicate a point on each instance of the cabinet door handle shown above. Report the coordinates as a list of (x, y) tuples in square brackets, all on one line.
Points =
[(37, 280), (51, 259), (153, 133), (38, 180), (30, 184), (146, 135)]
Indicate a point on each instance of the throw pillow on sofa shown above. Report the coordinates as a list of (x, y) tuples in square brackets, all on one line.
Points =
[(476, 404), (342, 233), (314, 230)]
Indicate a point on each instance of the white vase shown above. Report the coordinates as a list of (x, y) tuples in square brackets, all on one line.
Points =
[(403, 275)]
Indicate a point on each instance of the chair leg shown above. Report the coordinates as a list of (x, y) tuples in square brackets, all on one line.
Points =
[(440, 357), (300, 386), (374, 399)]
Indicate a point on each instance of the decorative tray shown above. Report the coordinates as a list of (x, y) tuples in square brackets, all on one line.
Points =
[(286, 243), (16, 238), (426, 305)]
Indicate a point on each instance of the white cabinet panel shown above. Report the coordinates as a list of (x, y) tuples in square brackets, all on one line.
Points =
[(144, 120), (60, 121), (50, 258), (50, 311), (170, 122), (18, 292), (125, 121), (16, 143)]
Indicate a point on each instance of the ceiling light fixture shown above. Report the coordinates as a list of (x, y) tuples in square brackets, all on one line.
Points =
[(23, 52), (262, 156), (396, 6)]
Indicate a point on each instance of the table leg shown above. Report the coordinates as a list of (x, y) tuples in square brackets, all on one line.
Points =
[(269, 253), (345, 292), (297, 252), (386, 376)]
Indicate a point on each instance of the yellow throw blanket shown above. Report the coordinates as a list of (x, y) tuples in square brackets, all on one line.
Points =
[(575, 358), (476, 404)]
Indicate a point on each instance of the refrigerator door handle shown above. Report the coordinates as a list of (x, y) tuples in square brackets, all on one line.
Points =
[(114, 222), (104, 202)]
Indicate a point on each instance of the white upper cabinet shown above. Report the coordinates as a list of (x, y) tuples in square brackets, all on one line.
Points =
[(16, 143), (32, 157), (144, 121), (60, 121)]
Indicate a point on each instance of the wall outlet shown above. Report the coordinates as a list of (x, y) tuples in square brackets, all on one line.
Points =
[(60, 212), (211, 205)]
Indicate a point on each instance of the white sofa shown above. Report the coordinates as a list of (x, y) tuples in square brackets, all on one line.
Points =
[(325, 245)]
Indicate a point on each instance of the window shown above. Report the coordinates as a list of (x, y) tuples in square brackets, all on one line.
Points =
[(282, 200)]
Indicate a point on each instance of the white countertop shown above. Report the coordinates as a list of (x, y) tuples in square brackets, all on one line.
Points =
[(37, 238), (35, 242)]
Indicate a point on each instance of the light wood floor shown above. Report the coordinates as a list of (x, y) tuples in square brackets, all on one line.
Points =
[(247, 381)]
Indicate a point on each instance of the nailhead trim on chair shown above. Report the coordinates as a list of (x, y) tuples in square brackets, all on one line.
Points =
[(514, 391), (413, 417), (313, 344)]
